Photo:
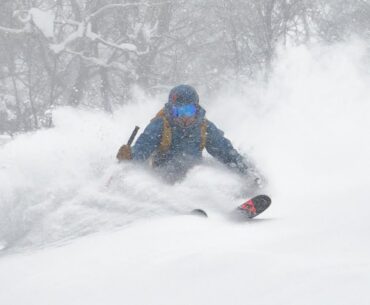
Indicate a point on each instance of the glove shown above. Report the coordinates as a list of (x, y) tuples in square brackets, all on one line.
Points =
[(253, 179), (257, 178), (259, 182), (124, 153)]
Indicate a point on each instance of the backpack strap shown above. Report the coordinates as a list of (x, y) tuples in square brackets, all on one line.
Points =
[(166, 139)]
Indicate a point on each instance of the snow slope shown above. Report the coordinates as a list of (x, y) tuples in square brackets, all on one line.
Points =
[(307, 129)]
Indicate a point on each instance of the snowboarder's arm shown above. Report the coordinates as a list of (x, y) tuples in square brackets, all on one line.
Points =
[(148, 141), (222, 149)]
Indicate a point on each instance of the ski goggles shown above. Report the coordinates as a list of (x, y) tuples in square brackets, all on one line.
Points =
[(184, 111)]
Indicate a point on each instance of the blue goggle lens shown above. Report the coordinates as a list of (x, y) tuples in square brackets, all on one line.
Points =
[(184, 111)]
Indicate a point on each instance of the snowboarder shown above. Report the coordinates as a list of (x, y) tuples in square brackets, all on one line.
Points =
[(175, 138)]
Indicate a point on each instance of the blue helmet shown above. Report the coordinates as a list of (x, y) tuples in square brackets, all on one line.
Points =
[(183, 94)]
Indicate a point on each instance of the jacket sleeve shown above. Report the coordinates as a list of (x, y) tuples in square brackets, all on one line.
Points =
[(221, 148), (148, 141)]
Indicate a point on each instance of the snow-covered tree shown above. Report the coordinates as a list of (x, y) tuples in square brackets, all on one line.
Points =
[(92, 52)]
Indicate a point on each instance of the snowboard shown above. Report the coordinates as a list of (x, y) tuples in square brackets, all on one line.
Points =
[(248, 210)]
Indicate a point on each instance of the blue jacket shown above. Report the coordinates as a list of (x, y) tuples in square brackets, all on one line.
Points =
[(185, 149)]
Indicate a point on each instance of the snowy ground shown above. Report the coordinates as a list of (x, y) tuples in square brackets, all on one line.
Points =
[(4, 139), (308, 131)]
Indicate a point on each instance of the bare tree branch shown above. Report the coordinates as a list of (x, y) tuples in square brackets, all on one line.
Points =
[(121, 6), (25, 30)]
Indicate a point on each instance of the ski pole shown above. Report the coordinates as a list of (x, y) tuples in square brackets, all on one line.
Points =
[(129, 142), (133, 135)]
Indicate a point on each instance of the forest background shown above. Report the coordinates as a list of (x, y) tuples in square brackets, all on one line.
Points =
[(93, 53)]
